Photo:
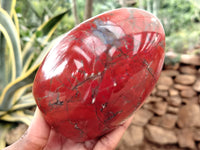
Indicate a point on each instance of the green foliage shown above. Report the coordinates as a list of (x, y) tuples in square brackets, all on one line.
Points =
[(18, 64), (32, 13), (176, 15), (183, 41), (104, 5), (181, 21)]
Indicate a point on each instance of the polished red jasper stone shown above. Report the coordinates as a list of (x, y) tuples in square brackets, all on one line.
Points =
[(100, 73)]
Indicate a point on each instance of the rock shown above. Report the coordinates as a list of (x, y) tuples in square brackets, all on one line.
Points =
[(196, 85), (190, 59), (170, 73), (165, 80), (188, 70), (173, 92), (15, 133), (181, 87), (191, 100), (173, 110), (188, 93), (158, 108), (162, 93), (159, 135), (148, 106), (133, 136), (185, 138), (162, 87), (156, 120), (141, 117), (153, 91), (153, 99), (196, 134), (199, 100), (174, 101), (166, 121), (174, 66), (185, 79), (188, 116)]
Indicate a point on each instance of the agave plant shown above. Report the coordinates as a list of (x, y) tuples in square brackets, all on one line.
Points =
[(18, 66)]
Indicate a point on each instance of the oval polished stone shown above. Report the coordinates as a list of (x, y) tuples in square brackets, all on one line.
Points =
[(100, 73)]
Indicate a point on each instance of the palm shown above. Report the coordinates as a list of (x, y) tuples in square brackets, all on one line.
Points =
[(40, 136), (58, 142)]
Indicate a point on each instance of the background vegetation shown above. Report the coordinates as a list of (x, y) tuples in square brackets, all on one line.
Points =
[(28, 29), (180, 18)]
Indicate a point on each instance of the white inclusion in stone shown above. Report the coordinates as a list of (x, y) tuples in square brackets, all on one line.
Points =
[(72, 74), (86, 74), (93, 100), (103, 106), (126, 46), (115, 84), (92, 75)]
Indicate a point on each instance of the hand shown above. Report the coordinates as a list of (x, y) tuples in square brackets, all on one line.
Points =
[(40, 136)]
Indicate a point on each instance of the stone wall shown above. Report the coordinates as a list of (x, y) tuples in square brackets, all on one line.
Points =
[(170, 117)]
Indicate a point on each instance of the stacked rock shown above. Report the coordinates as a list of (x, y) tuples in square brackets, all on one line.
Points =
[(170, 117)]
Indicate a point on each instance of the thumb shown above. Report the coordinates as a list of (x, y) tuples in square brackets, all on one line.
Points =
[(36, 136)]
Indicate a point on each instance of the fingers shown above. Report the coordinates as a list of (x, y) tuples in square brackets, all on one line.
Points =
[(38, 132), (110, 141), (35, 137)]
